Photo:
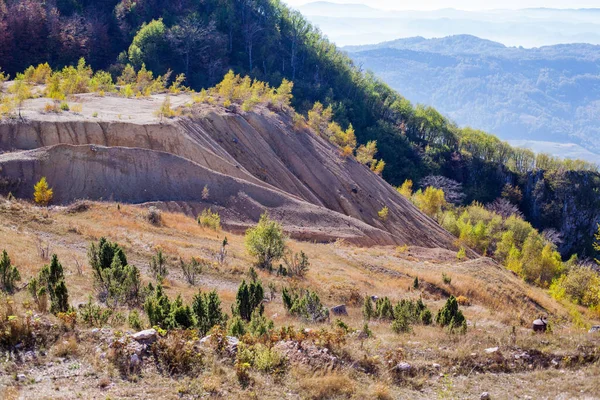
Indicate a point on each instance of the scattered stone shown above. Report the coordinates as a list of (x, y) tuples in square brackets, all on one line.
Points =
[(232, 342), (595, 328), (134, 360), (147, 336), (485, 396), (540, 325), (339, 310), (492, 350), (403, 367)]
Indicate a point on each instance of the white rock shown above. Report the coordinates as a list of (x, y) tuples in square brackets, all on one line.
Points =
[(149, 335), (21, 377), (485, 396), (492, 350), (403, 366)]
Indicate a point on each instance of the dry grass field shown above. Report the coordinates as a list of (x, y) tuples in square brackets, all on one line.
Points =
[(561, 364)]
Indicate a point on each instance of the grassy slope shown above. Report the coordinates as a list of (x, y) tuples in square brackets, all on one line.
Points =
[(341, 274)]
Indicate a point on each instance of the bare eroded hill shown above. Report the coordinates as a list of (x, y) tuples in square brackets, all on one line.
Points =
[(116, 149)]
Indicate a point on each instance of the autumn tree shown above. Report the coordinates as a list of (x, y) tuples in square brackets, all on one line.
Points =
[(42, 192)]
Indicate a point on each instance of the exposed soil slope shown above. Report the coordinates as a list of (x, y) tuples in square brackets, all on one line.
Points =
[(250, 162)]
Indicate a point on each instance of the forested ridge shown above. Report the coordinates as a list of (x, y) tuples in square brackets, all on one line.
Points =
[(270, 42)]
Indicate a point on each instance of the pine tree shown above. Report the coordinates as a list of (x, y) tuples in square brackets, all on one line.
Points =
[(207, 310), (52, 278), (9, 274), (367, 309), (248, 298)]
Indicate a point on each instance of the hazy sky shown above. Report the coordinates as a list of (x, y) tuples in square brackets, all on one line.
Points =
[(463, 4)]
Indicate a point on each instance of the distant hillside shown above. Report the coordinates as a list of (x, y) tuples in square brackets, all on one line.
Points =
[(544, 94), (351, 24)]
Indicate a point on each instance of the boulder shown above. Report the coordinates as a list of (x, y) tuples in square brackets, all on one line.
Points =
[(148, 336), (540, 325), (339, 310), (485, 396), (595, 329)]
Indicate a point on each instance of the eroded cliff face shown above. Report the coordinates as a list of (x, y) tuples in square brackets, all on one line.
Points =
[(250, 162)]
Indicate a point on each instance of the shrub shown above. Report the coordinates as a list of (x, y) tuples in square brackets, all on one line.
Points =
[(166, 314), (384, 309), (207, 311), (451, 316), (38, 291), (115, 280), (176, 354), (9, 274), (416, 283), (135, 321), (191, 269), (165, 110), (210, 220), (249, 297), (237, 327), (463, 301), (414, 312), (297, 264), (154, 216), (102, 83), (266, 241), (64, 106), (21, 91), (121, 284), (158, 266), (101, 256), (93, 315), (461, 254), (42, 192), (446, 279), (384, 213), (51, 108), (259, 325), (77, 108), (3, 77), (401, 324), (306, 305)]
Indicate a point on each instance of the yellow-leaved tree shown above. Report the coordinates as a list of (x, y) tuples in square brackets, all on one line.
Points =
[(42, 192), (406, 189)]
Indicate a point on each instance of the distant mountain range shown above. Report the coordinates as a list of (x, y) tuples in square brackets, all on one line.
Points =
[(357, 24), (533, 97)]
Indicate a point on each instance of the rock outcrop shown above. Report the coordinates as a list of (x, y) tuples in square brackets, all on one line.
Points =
[(250, 162)]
